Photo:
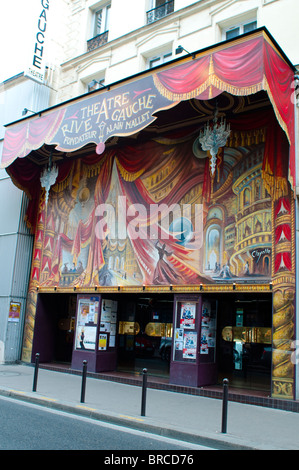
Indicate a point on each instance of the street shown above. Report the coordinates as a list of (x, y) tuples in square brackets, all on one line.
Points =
[(32, 427)]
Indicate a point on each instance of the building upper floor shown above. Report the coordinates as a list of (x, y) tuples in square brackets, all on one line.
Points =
[(85, 44), (108, 40)]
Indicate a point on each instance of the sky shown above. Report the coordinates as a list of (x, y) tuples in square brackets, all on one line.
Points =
[(18, 28)]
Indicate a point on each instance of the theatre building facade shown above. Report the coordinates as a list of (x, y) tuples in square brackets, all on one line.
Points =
[(163, 209)]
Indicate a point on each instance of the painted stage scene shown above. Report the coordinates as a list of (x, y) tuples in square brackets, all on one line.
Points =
[(153, 214)]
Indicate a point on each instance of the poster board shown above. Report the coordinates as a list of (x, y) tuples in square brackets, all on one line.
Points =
[(207, 348), (186, 332), (107, 333)]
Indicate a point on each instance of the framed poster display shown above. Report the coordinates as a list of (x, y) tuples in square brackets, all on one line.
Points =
[(194, 341), (95, 336)]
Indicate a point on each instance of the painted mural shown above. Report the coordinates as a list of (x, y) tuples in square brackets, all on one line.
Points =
[(151, 214)]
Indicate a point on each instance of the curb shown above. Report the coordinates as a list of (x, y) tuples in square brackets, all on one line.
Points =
[(221, 442)]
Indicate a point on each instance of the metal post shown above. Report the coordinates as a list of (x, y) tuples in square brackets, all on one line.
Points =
[(143, 399), (83, 385), (224, 405), (35, 372)]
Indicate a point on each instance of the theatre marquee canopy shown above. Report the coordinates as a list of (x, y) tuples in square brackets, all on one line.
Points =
[(241, 67)]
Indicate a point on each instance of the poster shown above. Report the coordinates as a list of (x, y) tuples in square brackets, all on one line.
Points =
[(187, 320), (102, 342), (204, 349), (105, 326), (85, 337), (189, 345), (87, 318), (178, 339), (14, 311)]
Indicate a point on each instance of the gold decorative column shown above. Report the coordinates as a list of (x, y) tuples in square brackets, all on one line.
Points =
[(29, 326), (34, 282), (283, 275)]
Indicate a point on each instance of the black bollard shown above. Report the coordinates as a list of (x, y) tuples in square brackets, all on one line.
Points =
[(143, 398), (83, 385), (35, 372), (224, 406)]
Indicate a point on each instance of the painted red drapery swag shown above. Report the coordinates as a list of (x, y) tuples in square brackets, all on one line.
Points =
[(242, 67), (131, 159)]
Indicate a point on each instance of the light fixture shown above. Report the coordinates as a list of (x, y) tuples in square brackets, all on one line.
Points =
[(49, 176), (213, 137), (26, 110), (95, 85), (180, 49)]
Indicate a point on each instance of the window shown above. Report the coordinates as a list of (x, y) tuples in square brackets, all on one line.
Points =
[(236, 30), (101, 20), (100, 28), (159, 9), (160, 59), (213, 248)]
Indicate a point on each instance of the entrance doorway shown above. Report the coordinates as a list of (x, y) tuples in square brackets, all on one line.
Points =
[(145, 334), (145, 329), (54, 327), (244, 340)]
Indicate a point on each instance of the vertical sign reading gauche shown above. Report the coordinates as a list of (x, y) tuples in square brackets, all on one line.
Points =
[(36, 69)]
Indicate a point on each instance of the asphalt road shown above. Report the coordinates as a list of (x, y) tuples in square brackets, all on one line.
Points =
[(26, 426)]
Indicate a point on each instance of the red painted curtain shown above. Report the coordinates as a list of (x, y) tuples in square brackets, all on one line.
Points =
[(241, 67)]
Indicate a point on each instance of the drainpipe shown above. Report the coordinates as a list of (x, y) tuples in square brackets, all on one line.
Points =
[(297, 292), (296, 105)]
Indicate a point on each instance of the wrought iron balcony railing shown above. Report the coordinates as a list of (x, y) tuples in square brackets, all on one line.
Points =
[(97, 41), (159, 12)]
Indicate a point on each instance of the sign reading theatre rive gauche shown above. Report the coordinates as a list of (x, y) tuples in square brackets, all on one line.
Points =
[(122, 111)]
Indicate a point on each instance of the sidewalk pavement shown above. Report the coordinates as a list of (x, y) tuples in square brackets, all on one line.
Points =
[(181, 416)]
